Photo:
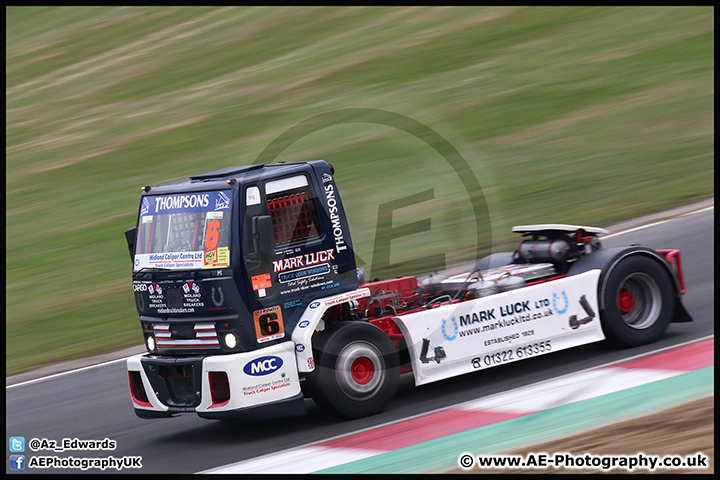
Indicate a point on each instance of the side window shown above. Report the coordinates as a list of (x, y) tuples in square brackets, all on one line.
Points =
[(291, 205)]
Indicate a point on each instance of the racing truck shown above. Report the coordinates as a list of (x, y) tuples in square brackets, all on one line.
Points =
[(250, 301)]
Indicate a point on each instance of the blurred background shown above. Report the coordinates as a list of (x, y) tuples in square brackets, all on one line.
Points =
[(582, 115)]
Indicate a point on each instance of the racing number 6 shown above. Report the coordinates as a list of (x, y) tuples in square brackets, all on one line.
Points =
[(269, 324), (212, 235)]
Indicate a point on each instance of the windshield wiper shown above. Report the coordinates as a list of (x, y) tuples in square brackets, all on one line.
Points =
[(153, 269)]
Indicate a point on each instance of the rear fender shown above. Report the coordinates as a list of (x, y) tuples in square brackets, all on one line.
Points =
[(606, 259)]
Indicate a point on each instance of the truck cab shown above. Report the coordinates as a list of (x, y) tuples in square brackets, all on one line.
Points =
[(225, 263)]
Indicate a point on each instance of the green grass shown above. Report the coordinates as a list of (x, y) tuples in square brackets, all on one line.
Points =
[(574, 115)]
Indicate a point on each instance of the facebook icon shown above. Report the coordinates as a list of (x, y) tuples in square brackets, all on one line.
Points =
[(17, 462)]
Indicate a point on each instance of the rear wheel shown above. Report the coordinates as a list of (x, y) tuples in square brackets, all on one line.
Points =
[(639, 302), (356, 369)]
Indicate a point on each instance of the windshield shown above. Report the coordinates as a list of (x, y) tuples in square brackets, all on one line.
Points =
[(184, 231)]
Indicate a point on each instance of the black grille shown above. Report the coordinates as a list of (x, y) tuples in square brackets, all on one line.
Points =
[(176, 382), (180, 382), (182, 332)]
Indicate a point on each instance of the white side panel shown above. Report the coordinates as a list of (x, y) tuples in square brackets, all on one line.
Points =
[(503, 328), (258, 377)]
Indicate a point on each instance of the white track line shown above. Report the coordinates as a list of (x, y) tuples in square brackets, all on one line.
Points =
[(55, 375), (711, 207), (622, 232), (297, 461)]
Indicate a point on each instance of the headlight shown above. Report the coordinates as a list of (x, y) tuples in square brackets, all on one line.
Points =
[(150, 343), (230, 340)]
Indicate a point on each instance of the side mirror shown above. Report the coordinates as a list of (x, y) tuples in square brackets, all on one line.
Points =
[(130, 238), (263, 236)]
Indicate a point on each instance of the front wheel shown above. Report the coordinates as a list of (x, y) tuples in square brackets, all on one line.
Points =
[(639, 302), (356, 369)]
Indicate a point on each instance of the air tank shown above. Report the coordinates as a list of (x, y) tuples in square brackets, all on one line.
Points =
[(553, 251)]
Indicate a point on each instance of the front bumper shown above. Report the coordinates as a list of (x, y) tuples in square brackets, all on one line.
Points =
[(255, 384)]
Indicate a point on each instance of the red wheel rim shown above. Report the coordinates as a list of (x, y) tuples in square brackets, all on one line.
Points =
[(625, 301), (362, 370)]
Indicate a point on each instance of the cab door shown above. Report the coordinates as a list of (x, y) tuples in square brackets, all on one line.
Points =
[(289, 263)]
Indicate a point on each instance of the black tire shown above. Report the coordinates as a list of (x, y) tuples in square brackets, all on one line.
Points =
[(639, 302), (356, 369)]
